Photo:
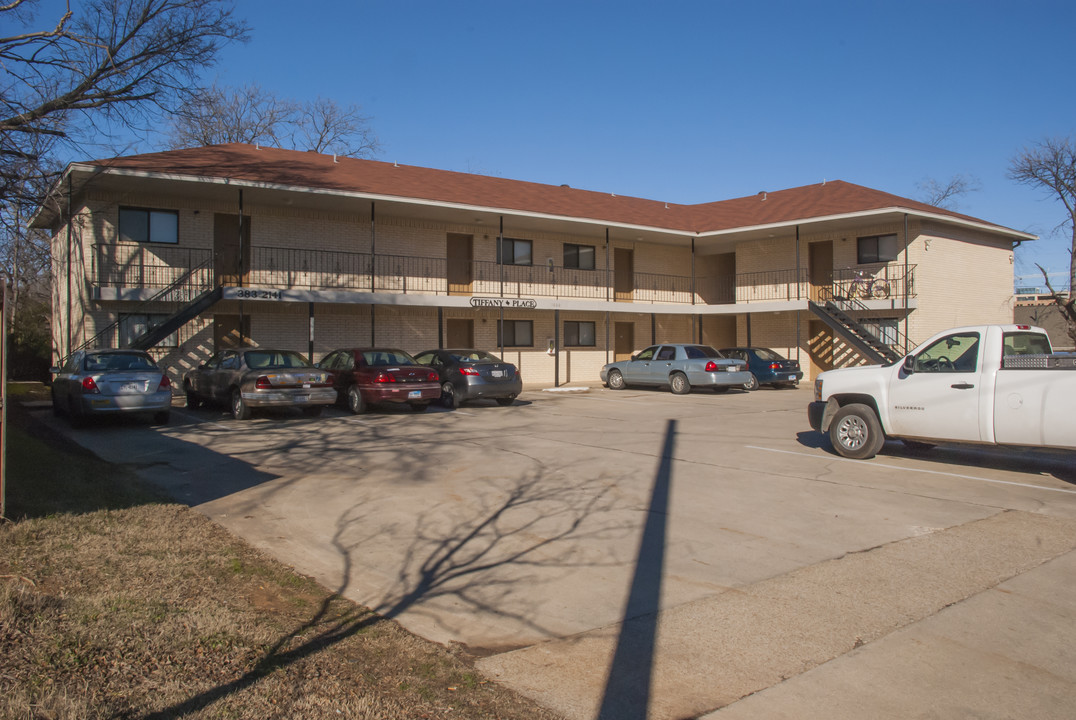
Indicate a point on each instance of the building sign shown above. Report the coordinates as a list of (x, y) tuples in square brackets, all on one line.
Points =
[(526, 303)]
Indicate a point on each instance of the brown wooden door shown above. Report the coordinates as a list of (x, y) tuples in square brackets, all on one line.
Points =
[(820, 270), (459, 333), (460, 265), (230, 331), (624, 342), (226, 263), (820, 347), (623, 274)]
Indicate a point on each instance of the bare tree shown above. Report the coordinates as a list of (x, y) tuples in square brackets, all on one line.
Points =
[(251, 114), (1050, 165), (91, 68), (944, 196)]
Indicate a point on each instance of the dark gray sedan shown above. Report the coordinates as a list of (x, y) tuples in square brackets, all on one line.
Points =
[(470, 374), (681, 366), (251, 378), (110, 382)]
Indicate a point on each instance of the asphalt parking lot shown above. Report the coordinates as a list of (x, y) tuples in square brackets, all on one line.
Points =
[(637, 554)]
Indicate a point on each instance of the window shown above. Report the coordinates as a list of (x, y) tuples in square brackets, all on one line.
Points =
[(580, 257), (699, 352), (1025, 343), (516, 333), (133, 327), (646, 354), (512, 251), (156, 226), (876, 248), (666, 353), (885, 329), (580, 334), (954, 353)]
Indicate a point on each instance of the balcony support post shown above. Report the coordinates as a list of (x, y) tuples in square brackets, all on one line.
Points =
[(373, 246)]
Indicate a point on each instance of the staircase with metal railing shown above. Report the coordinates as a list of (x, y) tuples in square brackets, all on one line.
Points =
[(852, 331), (183, 287)]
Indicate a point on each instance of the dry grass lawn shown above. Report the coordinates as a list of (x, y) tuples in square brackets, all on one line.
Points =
[(116, 603)]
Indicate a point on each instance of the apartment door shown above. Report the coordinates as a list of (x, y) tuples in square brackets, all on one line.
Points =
[(230, 331), (820, 270), (820, 347), (460, 265), (623, 274), (459, 333), (226, 262), (624, 341)]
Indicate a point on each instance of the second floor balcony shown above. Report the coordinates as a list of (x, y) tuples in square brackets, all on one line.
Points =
[(189, 271)]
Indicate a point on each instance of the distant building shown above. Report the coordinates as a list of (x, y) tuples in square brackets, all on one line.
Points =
[(1039, 309)]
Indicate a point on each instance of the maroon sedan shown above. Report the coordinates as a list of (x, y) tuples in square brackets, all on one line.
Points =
[(371, 376)]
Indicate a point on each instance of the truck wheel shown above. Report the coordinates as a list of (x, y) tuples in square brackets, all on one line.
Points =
[(856, 433)]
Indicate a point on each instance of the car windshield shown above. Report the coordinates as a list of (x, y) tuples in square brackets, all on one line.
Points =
[(466, 356), (695, 352), (114, 362), (262, 359), (384, 358), (767, 355)]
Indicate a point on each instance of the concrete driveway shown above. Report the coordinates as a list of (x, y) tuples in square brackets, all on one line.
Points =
[(637, 554)]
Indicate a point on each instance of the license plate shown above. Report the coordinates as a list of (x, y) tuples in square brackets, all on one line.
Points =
[(497, 373), (128, 388), (302, 398), (414, 394), (792, 377)]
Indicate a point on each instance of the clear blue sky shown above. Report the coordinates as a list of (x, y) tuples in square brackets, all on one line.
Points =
[(695, 101)]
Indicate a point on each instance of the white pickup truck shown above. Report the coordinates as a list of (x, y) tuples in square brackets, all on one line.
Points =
[(987, 384)]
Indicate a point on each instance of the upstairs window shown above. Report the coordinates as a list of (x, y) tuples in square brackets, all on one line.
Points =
[(153, 226), (513, 251), (580, 257), (877, 248)]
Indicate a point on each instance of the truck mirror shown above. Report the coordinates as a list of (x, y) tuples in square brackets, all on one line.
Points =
[(909, 364)]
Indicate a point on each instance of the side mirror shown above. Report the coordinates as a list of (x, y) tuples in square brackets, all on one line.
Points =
[(909, 364)]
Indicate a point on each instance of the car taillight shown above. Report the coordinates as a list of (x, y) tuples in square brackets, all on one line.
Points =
[(468, 371), (775, 366), (711, 366), (166, 384), (263, 383), (88, 385), (385, 377), (432, 376)]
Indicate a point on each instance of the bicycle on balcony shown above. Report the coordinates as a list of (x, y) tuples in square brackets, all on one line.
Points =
[(865, 286)]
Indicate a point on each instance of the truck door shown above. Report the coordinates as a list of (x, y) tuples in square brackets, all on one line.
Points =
[(939, 398)]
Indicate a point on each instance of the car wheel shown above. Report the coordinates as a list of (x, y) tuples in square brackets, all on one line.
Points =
[(240, 409), (504, 402), (162, 417), (449, 398), (751, 384), (856, 433), (616, 380), (419, 406), (355, 403), (193, 401), (313, 411), (679, 384)]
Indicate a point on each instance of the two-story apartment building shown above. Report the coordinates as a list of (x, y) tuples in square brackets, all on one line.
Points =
[(189, 251)]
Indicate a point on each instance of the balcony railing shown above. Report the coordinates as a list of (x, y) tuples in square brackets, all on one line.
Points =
[(151, 266)]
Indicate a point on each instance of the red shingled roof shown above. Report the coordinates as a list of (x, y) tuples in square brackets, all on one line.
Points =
[(293, 168)]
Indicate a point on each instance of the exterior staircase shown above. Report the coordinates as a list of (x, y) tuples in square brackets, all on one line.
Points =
[(864, 341), (200, 304)]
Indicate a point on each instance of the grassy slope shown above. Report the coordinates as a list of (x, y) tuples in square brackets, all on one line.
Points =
[(117, 603)]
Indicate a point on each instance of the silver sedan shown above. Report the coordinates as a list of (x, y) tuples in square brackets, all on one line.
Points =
[(681, 366), (110, 382)]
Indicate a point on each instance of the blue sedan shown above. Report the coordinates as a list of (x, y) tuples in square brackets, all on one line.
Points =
[(766, 367), (680, 366)]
